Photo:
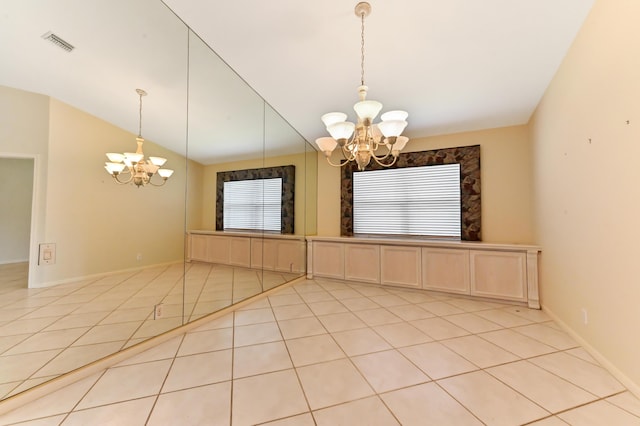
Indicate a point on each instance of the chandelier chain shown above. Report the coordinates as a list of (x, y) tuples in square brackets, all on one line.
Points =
[(362, 50), (140, 119)]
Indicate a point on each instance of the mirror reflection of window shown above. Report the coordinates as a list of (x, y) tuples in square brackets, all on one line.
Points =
[(253, 205)]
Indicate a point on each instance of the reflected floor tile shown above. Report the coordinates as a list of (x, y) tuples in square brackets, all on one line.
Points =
[(77, 356), (369, 411), (46, 340), (108, 333), (20, 367), (124, 413), (427, 404), (123, 383)]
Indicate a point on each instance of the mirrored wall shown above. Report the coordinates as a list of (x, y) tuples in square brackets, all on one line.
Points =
[(132, 263)]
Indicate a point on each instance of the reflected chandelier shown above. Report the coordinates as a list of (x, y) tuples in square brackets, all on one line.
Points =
[(360, 142), (132, 166)]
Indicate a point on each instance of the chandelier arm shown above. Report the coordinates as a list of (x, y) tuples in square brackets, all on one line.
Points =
[(379, 161), (337, 165), (115, 177)]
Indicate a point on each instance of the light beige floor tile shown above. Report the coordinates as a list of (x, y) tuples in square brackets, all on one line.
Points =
[(627, 401), (436, 360), (415, 296), (327, 307), (388, 300), (582, 354), (410, 312), (369, 411), (313, 349), (427, 404), (473, 323), (378, 316), (589, 377), (267, 397), (305, 419), (438, 328), (301, 327), (259, 359), (401, 334), (317, 296), (479, 351), (292, 311), (496, 403), (370, 290), (519, 344), (256, 333), (52, 311), (20, 367), (257, 304), (128, 315), (440, 308), (47, 340), (74, 321), (549, 421), (389, 370), (332, 382), (307, 286), (468, 305), (341, 322), (124, 383), (165, 350), (359, 303), (503, 317), (47, 421), (225, 321), (545, 389), (26, 326), (599, 413), (213, 367), (360, 341), (285, 299), (547, 335), (58, 402), (77, 356), (344, 293), (254, 316), (28, 384), (534, 315), (128, 413), (108, 333), (185, 408), (206, 341), (6, 342), (10, 313)]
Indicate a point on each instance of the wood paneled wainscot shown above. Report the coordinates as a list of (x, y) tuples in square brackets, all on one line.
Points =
[(495, 271), (283, 253)]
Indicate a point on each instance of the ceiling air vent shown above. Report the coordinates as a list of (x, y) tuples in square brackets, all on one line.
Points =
[(58, 41)]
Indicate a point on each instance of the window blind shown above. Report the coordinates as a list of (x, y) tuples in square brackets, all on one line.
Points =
[(253, 204), (408, 201)]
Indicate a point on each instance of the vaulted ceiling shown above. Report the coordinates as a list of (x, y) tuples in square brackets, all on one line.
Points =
[(454, 65)]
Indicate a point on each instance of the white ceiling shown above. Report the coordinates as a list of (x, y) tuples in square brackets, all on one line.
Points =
[(454, 65)]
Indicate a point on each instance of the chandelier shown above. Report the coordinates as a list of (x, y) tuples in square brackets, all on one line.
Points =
[(132, 166), (360, 142)]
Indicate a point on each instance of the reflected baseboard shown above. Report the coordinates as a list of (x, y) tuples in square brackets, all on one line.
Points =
[(71, 377), (104, 274)]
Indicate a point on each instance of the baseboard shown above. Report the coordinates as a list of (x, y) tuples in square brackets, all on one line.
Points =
[(102, 274), (7, 262), (633, 387)]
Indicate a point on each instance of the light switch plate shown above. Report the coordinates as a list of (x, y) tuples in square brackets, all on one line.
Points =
[(47, 255)]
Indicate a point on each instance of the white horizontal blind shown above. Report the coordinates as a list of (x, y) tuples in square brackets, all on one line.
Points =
[(408, 201), (253, 204)]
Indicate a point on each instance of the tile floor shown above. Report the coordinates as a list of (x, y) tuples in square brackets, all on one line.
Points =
[(46, 332), (325, 352)]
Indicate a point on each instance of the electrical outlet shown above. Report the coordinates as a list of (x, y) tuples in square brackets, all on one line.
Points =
[(585, 316), (157, 311), (139, 257)]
